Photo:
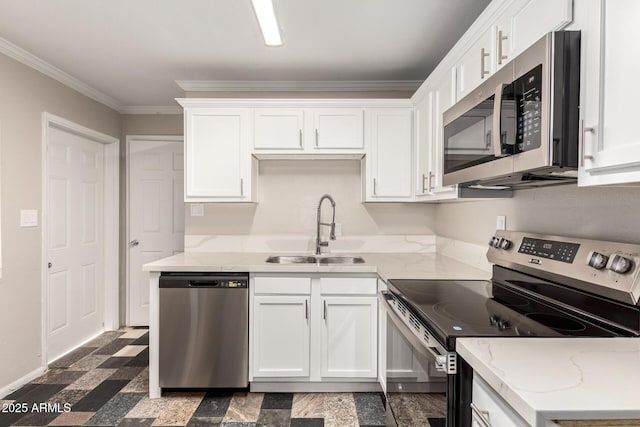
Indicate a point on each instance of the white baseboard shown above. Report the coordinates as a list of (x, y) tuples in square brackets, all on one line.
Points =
[(76, 347), (315, 387), (7, 390)]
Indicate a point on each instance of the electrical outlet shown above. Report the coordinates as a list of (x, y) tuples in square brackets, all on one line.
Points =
[(501, 222), (338, 229), (197, 209)]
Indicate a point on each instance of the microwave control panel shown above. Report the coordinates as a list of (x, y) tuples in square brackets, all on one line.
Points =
[(528, 94)]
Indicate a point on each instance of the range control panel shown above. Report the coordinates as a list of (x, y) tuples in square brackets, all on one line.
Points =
[(550, 249), (610, 269)]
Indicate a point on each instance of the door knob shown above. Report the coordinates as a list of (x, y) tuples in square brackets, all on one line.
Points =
[(49, 265), (134, 242)]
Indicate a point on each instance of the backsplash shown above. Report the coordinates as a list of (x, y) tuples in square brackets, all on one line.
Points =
[(306, 244), (288, 195)]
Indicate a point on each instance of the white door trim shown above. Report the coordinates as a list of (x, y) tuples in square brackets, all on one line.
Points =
[(130, 139), (111, 219)]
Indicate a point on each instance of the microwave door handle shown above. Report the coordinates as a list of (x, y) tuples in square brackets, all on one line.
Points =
[(496, 132)]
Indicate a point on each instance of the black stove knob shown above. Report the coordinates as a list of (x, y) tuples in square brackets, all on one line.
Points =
[(494, 241), (597, 260), (620, 264), (503, 324), (504, 244)]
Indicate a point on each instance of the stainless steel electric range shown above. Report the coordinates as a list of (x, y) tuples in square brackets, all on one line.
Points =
[(542, 286)]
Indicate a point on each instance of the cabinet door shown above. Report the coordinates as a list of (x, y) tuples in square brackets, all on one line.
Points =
[(216, 154), (611, 147), (535, 18), (280, 336), (277, 129), (443, 98), (476, 65), (349, 337), (389, 172), (339, 128), (424, 139)]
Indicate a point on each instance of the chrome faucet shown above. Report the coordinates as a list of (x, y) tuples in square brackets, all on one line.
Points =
[(332, 234)]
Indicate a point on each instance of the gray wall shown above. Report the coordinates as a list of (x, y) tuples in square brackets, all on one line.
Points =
[(24, 95), (605, 213), (289, 191)]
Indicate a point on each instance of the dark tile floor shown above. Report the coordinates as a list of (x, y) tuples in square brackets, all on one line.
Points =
[(104, 383)]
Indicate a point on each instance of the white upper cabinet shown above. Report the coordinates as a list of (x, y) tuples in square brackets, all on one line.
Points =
[(388, 173), (308, 130), (338, 128), (532, 19), (424, 140), (217, 157), (443, 99), (610, 142), (476, 64), (516, 27), (278, 129)]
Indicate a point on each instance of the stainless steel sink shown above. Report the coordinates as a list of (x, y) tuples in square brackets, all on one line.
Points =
[(322, 260), (286, 259), (340, 260)]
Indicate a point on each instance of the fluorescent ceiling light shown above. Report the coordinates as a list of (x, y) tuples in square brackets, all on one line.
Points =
[(268, 23)]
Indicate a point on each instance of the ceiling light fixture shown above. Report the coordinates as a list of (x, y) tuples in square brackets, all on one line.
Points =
[(268, 23)]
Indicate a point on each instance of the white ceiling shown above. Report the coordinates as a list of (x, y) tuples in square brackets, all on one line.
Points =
[(134, 50)]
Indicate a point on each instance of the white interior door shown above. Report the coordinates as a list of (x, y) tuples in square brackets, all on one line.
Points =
[(75, 241), (156, 213)]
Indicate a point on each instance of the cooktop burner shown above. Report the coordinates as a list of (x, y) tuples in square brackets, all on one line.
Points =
[(557, 322)]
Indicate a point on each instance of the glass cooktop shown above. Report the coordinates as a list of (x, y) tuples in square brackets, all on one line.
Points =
[(471, 308)]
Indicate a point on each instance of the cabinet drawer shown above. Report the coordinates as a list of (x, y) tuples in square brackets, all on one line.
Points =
[(282, 285), (492, 407), (346, 285)]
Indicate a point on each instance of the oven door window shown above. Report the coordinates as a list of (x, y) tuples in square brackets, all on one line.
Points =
[(468, 139)]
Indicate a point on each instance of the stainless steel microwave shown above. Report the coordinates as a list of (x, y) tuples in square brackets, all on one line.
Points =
[(519, 128)]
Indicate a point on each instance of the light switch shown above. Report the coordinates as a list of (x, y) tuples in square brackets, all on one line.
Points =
[(28, 217), (501, 222), (197, 209)]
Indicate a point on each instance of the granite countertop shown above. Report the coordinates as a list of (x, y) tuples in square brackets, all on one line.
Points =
[(386, 265), (547, 379)]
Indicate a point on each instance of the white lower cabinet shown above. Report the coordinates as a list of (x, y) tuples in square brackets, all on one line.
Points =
[(281, 336), (314, 328), (488, 409), (349, 337)]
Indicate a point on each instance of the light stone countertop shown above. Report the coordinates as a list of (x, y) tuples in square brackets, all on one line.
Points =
[(547, 379), (386, 265)]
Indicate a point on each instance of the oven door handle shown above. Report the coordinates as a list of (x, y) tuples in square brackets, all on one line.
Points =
[(415, 342)]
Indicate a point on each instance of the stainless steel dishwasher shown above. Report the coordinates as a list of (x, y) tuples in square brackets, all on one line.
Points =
[(204, 330)]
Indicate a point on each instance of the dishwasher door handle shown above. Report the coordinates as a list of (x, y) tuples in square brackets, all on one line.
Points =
[(203, 284)]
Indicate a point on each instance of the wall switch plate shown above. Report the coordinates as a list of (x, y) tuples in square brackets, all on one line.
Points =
[(501, 222), (28, 218), (338, 229), (197, 209)]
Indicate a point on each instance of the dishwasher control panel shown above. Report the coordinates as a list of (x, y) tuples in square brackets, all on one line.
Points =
[(204, 280)]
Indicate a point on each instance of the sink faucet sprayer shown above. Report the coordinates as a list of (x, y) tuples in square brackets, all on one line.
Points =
[(332, 234)]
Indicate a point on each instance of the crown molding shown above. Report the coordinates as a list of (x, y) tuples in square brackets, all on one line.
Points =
[(152, 109), (297, 85), (30, 60)]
